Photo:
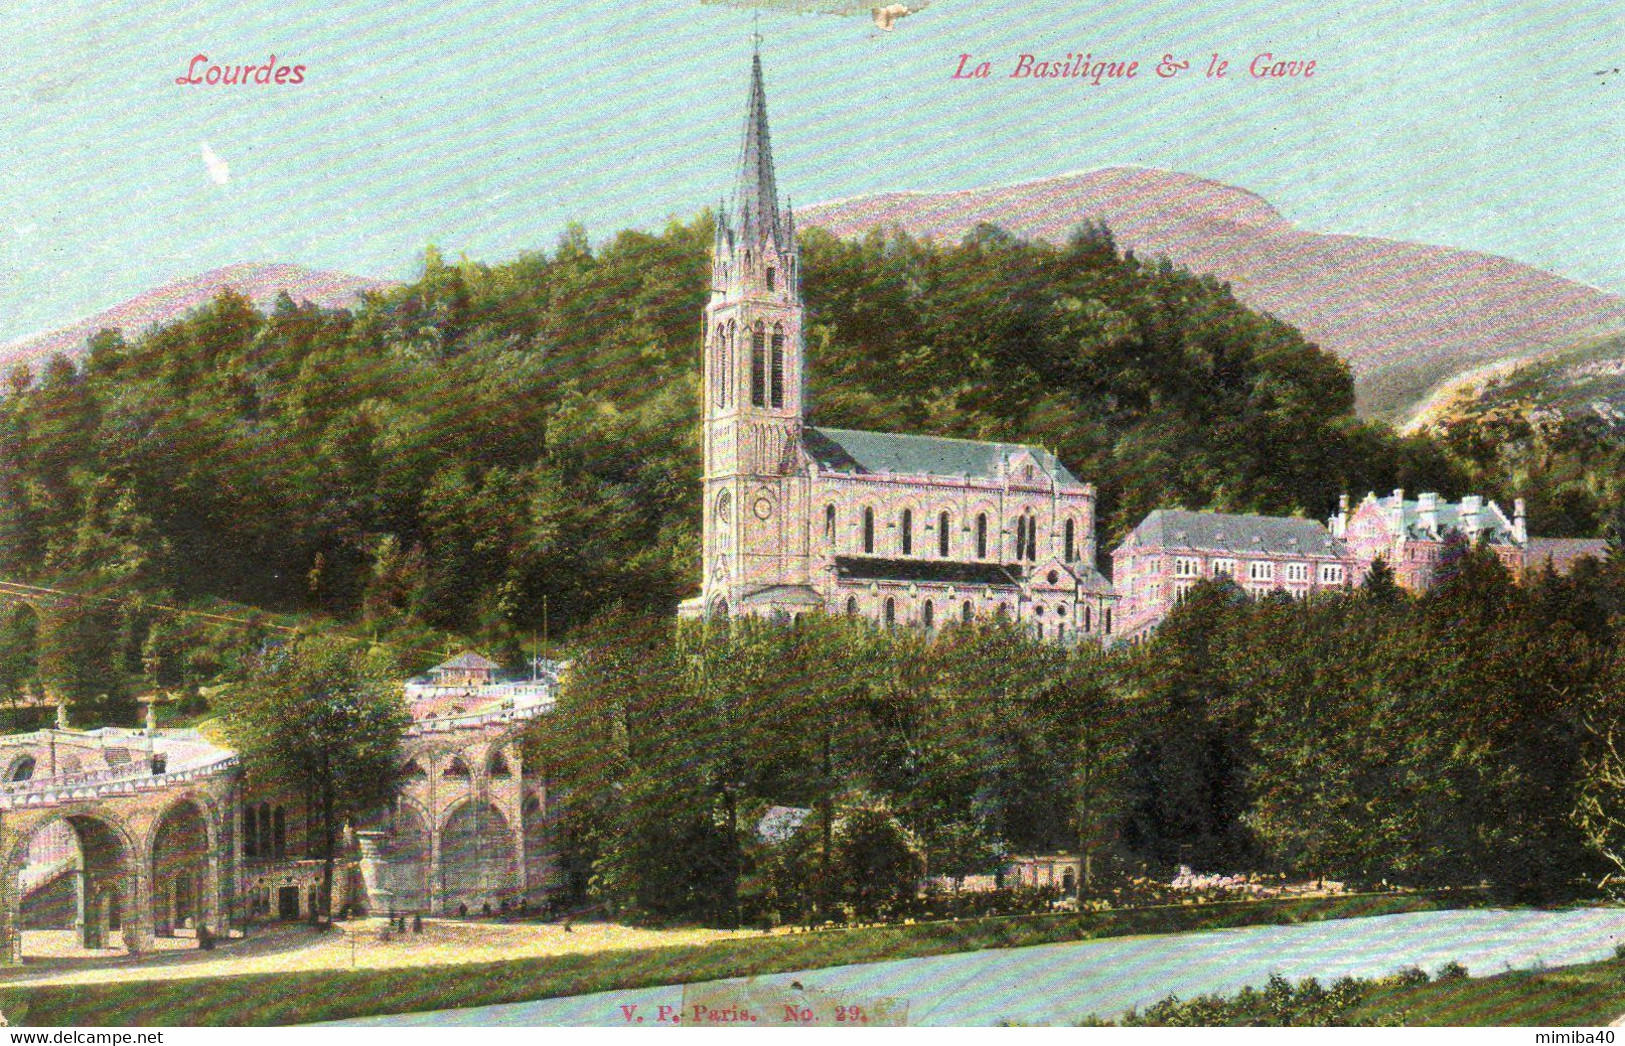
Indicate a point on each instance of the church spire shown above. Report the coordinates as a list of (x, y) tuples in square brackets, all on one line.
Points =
[(756, 199)]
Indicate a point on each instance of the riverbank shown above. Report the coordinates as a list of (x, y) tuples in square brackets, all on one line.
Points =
[(304, 997)]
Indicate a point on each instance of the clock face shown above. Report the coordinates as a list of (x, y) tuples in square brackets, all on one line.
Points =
[(763, 508)]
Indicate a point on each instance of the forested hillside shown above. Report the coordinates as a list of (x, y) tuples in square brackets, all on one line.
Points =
[(461, 451)]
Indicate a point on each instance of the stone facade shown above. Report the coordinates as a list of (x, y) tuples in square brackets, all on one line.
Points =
[(1411, 536), (904, 530), (1171, 550)]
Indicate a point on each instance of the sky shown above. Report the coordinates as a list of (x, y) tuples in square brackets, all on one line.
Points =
[(485, 126)]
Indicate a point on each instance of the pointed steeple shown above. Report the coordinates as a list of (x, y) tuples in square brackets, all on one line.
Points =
[(756, 198)]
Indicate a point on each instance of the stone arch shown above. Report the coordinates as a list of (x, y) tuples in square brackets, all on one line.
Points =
[(102, 884), (407, 849), (478, 865), (21, 768), (183, 858), (535, 825)]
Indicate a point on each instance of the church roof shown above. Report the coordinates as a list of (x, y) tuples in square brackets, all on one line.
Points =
[(756, 197), (925, 571), (883, 453), (465, 661), (1235, 533)]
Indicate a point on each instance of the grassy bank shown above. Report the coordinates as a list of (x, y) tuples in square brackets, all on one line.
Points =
[(1567, 997), (296, 998)]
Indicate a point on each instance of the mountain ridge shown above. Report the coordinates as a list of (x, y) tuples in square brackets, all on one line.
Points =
[(1409, 318), (1405, 315), (259, 281)]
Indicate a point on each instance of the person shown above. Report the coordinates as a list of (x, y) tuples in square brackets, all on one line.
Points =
[(205, 939), (417, 922), (462, 909), (485, 909)]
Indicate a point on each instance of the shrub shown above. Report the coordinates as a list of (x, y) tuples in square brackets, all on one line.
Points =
[(1451, 971)]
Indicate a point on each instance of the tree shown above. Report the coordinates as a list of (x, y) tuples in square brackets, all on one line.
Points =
[(326, 717)]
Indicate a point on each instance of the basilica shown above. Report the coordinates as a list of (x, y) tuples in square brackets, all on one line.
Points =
[(900, 529)]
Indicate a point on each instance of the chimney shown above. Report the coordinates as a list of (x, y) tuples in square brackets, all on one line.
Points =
[(1520, 526), (1399, 495)]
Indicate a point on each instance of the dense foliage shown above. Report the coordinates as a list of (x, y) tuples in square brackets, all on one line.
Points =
[(1370, 737), (492, 450), (322, 719)]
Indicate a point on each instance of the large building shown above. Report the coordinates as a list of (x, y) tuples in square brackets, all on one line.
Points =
[(1411, 536), (1171, 550), (914, 530)]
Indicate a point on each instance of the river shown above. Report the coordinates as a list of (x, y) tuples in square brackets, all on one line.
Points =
[(1060, 984)]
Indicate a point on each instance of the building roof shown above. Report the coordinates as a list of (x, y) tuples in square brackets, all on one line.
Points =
[(466, 661), (1430, 517), (925, 571), (888, 453), (1562, 553), (1225, 532), (756, 197)]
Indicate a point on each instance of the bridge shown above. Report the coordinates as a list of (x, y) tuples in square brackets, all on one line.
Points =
[(124, 836), (133, 828)]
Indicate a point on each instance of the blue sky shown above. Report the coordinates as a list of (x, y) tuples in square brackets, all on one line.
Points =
[(484, 126)]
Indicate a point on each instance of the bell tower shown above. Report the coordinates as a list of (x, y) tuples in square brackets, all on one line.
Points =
[(755, 528)]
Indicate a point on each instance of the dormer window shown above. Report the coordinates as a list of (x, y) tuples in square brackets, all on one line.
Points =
[(772, 278)]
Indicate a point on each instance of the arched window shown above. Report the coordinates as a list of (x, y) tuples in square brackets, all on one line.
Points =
[(728, 366), (772, 278), (868, 529), (279, 832), (758, 367), (981, 535), (22, 769), (265, 830), (965, 612), (942, 534), (1071, 541), (1026, 538), (891, 611), (852, 606), (777, 386), (829, 524), (928, 615), (907, 537), (719, 366), (1088, 625)]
